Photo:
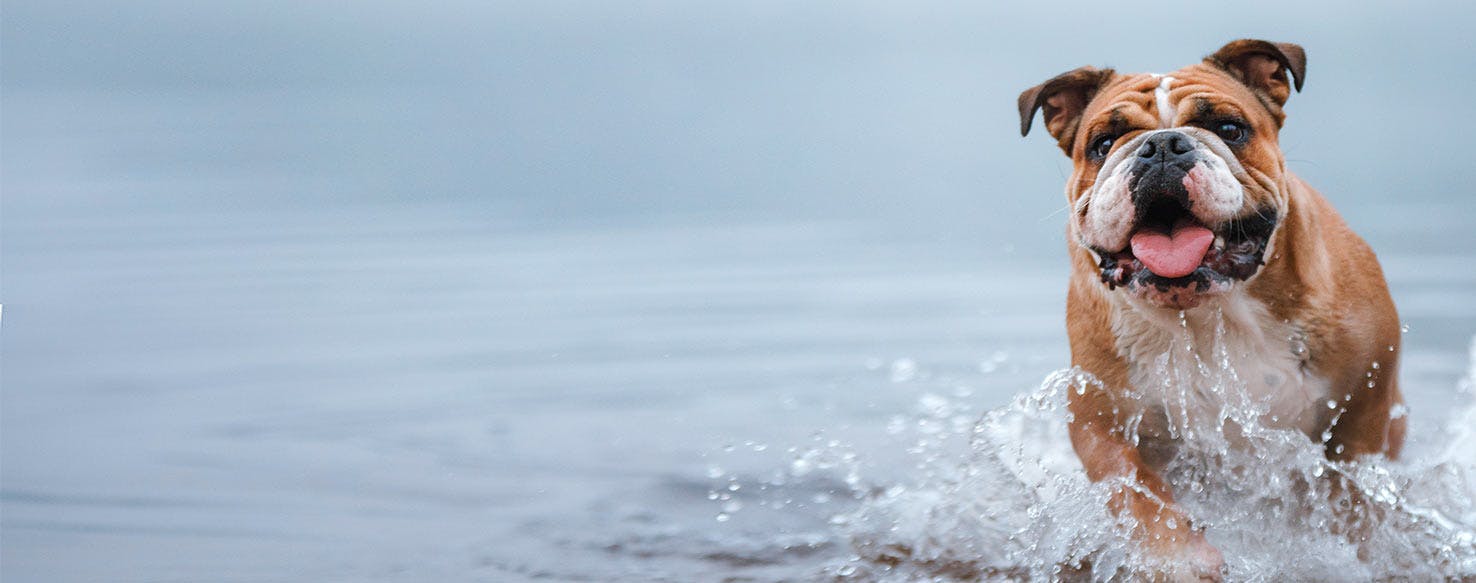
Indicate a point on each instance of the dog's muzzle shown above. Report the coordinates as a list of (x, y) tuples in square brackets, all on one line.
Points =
[(1158, 169), (1188, 235)]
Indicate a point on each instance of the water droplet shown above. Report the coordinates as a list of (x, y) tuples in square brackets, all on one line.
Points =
[(714, 472), (721, 517), (1376, 365), (1171, 524), (1331, 404), (1404, 328), (903, 370), (800, 467)]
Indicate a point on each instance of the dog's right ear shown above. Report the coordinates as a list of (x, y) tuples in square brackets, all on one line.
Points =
[(1062, 100), (1263, 66)]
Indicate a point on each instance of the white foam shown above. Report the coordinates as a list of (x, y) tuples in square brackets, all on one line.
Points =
[(1019, 506)]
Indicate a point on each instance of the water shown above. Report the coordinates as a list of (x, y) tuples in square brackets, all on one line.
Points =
[(403, 295), (405, 392)]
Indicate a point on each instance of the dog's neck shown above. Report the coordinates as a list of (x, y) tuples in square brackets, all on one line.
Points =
[(1236, 318)]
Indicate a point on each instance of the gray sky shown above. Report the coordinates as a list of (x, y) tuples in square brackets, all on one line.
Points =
[(845, 108)]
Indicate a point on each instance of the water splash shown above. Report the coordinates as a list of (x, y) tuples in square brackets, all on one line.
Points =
[(1018, 506)]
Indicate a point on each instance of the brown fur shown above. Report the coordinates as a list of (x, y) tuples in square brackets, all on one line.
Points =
[(1318, 275)]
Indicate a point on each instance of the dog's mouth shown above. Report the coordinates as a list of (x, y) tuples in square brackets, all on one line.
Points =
[(1173, 258)]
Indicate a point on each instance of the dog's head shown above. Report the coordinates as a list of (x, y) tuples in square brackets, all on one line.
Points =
[(1178, 181)]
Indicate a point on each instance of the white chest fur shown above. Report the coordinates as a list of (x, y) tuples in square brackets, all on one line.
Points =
[(1229, 353)]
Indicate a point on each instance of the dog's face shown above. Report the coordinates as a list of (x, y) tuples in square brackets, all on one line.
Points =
[(1178, 182)]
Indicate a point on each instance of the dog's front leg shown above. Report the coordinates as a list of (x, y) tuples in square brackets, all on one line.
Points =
[(1107, 452), (1161, 527)]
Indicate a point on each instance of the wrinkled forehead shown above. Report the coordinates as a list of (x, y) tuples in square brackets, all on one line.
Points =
[(1169, 99)]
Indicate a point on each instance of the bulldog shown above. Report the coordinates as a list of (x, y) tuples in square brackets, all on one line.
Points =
[(1185, 221)]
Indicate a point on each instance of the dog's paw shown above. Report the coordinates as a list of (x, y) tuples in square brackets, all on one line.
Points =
[(1208, 563), (1192, 561)]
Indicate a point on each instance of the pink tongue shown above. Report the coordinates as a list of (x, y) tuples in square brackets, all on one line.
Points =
[(1173, 255)]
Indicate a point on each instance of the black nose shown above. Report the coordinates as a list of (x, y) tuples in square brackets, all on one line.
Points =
[(1167, 146)]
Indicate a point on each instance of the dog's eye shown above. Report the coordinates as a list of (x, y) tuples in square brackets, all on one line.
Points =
[(1099, 148), (1232, 132)]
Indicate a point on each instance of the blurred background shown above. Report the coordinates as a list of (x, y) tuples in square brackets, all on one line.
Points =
[(313, 291)]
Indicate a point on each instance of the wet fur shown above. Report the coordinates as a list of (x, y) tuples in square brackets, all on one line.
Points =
[(1320, 292)]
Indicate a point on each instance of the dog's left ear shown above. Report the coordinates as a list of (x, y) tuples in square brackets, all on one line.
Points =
[(1062, 100), (1263, 65)]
